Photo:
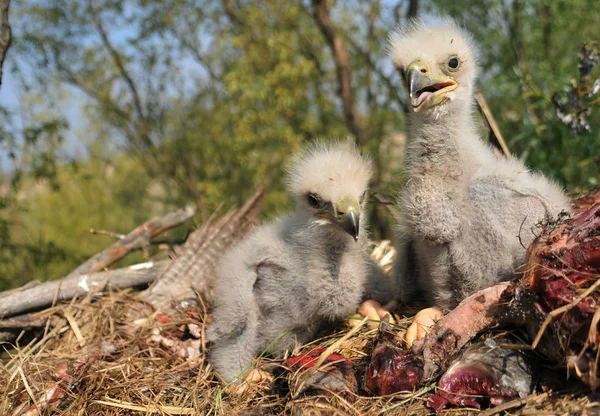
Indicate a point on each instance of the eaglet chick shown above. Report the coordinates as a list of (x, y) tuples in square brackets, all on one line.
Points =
[(278, 284), (468, 214)]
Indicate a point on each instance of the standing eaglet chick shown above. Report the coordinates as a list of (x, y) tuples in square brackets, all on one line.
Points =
[(467, 213), (286, 277)]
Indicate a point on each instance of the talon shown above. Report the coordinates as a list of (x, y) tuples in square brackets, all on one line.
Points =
[(256, 378), (422, 324), (374, 311)]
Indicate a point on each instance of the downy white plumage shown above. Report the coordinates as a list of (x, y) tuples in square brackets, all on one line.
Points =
[(278, 284)]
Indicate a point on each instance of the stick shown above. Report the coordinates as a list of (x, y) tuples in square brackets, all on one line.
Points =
[(566, 308), (138, 238), (496, 137), (42, 295), (23, 322)]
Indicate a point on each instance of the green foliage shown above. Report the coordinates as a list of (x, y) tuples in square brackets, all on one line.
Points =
[(49, 232), (528, 51), (204, 101)]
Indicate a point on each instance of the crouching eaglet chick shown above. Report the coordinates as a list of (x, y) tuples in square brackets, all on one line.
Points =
[(286, 277), (467, 213)]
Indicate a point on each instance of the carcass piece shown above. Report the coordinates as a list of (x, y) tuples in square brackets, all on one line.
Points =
[(486, 373), (557, 298), (393, 368), (336, 375)]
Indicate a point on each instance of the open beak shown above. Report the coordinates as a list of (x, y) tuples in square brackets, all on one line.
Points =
[(424, 89), (348, 216)]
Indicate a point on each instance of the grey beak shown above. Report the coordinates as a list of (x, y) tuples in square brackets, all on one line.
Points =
[(416, 82), (350, 223)]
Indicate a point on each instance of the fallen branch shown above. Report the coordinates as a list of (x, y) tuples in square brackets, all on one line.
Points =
[(159, 243), (45, 294), (136, 239)]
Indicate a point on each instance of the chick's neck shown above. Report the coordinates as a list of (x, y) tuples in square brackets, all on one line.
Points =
[(441, 142)]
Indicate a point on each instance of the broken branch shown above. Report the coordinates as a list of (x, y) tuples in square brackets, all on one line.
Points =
[(44, 294), (136, 239)]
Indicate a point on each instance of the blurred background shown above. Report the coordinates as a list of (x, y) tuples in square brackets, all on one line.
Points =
[(114, 111)]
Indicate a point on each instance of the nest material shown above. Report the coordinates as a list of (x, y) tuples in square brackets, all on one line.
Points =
[(112, 355)]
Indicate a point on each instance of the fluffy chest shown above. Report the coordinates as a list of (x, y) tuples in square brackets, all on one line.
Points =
[(336, 280)]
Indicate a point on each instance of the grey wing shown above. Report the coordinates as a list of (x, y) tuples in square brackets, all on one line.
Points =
[(235, 317), (516, 206), (248, 296)]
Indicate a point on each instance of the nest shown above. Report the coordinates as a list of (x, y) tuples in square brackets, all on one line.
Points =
[(109, 352)]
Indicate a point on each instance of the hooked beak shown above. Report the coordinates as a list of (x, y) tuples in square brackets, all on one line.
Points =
[(424, 89), (348, 216)]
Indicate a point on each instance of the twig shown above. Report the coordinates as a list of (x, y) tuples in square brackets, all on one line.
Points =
[(514, 403), (153, 242), (23, 322), (496, 135), (519, 235), (559, 311), (108, 233)]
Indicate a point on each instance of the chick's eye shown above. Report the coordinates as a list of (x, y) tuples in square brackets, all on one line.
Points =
[(314, 200), (453, 63)]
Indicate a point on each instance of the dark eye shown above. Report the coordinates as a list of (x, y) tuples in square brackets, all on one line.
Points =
[(314, 201), (453, 63)]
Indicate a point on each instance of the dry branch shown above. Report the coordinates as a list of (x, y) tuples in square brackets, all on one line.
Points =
[(23, 322), (138, 238), (44, 294)]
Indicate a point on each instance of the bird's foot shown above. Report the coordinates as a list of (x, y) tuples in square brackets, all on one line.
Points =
[(424, 320), (256, 379), (374, 311)]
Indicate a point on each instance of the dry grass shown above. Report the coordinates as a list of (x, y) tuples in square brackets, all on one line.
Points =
[(110, 355)]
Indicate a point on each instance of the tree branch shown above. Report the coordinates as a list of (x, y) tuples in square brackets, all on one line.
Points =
[(137, 102), (136, 239), (5, 33), (342, 63), (232, 13), (370, 41), (47, 293), (413, 9), (195, 51), (391, 85)]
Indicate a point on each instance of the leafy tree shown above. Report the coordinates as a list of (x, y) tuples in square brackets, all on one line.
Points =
[(204, 101)]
